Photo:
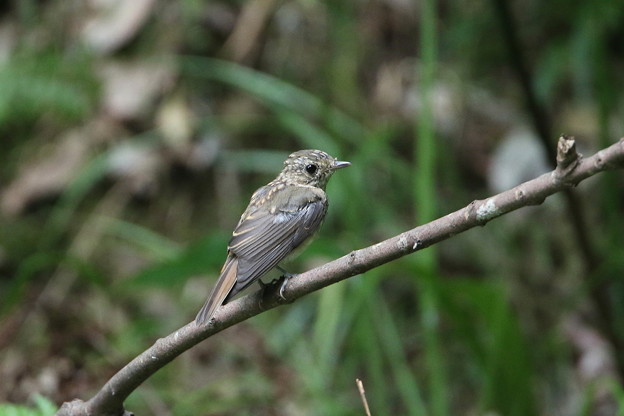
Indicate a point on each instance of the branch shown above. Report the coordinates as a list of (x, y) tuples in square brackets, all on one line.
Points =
[(571, 169)]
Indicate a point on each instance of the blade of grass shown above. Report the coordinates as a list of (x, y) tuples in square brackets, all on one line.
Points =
[(198, 258), (370, 358), (326, 327), (161, 248), (312, 136), (405, 381), (276, 94), (425, 202), (482, 320)]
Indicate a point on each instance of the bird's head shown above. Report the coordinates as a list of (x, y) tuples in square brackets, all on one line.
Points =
[(310, 167)]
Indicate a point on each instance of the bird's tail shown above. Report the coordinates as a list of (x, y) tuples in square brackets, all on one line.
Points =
[(221, 290)]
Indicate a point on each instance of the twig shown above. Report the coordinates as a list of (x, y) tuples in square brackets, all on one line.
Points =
[(360, 386), (109, 400)]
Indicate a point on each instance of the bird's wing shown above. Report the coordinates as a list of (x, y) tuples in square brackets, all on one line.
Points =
[(264, 238)]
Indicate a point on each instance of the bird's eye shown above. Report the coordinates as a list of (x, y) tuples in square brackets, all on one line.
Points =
[(311, 169)]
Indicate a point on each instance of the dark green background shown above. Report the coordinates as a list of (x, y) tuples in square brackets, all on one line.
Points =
[(114, 220)]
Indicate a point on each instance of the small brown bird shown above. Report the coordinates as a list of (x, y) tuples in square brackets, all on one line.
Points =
[(279, 218)]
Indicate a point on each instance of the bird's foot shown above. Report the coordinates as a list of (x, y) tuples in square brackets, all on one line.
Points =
[(285, 278)]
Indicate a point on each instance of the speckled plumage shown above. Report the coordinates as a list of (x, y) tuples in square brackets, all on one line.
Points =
[(280, 217)]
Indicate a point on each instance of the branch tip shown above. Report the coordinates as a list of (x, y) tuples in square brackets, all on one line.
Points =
[(567, 156), (566, 151)]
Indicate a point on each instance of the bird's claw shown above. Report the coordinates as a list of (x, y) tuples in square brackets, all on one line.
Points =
[(286, 278)]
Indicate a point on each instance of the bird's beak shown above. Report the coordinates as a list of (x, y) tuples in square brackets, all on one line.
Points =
[(339, 164)]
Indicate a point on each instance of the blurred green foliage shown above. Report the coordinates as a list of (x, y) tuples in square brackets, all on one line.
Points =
[(43, 407), (36, 84), (180, 121)]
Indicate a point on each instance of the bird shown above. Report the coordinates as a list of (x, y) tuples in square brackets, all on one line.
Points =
[(280, 217)]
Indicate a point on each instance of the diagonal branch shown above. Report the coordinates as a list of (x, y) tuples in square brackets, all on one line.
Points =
[(571, 169)]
